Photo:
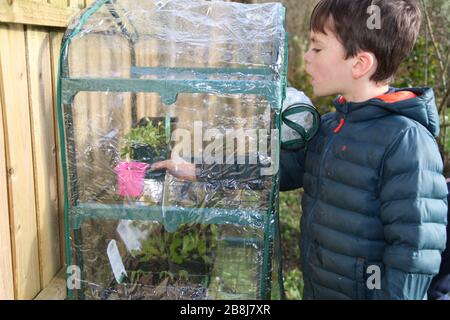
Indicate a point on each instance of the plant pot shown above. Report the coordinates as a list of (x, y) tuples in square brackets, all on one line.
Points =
[(130, 178), (140, 151), (147, 154)]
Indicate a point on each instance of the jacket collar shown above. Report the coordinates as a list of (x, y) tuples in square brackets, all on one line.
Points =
[(415, 103)]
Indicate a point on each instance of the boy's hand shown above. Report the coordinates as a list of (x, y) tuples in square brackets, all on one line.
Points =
[(177, 167)]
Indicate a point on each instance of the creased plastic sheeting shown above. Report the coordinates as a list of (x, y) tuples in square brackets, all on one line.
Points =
[(306, 120), (171, 230), (134, 233), (180, 33)]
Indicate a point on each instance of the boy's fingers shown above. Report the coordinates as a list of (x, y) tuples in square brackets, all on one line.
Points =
[(160, 165)]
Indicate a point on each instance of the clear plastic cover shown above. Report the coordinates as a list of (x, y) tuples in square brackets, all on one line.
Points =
[(304, 119), (179, 33), (145, 81)]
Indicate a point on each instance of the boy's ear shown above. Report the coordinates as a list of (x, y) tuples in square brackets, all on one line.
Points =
[(365, 63)]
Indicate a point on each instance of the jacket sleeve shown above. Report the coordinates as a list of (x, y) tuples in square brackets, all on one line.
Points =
[(291, 172), (413, 196), (292, 164)]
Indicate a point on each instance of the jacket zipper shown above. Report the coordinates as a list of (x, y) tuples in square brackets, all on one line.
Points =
[(341, 124), (322, 160)]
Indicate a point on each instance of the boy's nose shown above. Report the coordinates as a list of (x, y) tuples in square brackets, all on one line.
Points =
[(307, 56)]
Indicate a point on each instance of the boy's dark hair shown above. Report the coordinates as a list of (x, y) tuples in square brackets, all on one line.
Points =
[(348, 20)]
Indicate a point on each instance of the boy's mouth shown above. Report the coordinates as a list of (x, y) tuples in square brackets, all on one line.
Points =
[(311, 79)]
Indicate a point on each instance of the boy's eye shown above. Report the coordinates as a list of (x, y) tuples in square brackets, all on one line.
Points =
[(316, 50)]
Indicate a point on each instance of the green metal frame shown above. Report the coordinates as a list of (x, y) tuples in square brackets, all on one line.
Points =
[(169, 89), (273, 90), (172, 218)]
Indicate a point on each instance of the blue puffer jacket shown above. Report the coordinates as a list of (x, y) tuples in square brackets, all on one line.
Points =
[(374, 199)]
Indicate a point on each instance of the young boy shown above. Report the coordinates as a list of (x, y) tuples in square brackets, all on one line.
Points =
[(374, 204), (374, 209)]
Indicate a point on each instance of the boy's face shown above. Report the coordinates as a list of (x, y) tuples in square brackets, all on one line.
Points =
[(325, 62)]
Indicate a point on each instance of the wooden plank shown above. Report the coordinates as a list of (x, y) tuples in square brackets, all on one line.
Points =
[(89, 2), (96, 105), (140, 97), (78, 60), (125, 63), (36, 13), (56, 290), (119, 105), (20, 163), (77, 4), (147, 107), (45, 173), (59, 3), (55, 48), (103, 61), (6, 268), (212, 109)]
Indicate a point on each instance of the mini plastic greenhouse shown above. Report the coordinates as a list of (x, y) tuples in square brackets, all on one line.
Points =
[(196, 81)]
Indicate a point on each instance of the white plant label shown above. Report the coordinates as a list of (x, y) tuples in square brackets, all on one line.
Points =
[(116, 261)]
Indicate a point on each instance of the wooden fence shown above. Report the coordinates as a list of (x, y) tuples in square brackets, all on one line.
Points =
[(31, 193)]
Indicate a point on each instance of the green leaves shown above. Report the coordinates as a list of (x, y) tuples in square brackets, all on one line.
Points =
[(293, 284), (174, 255), (149, 135), (153, 249), (189, 243)]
